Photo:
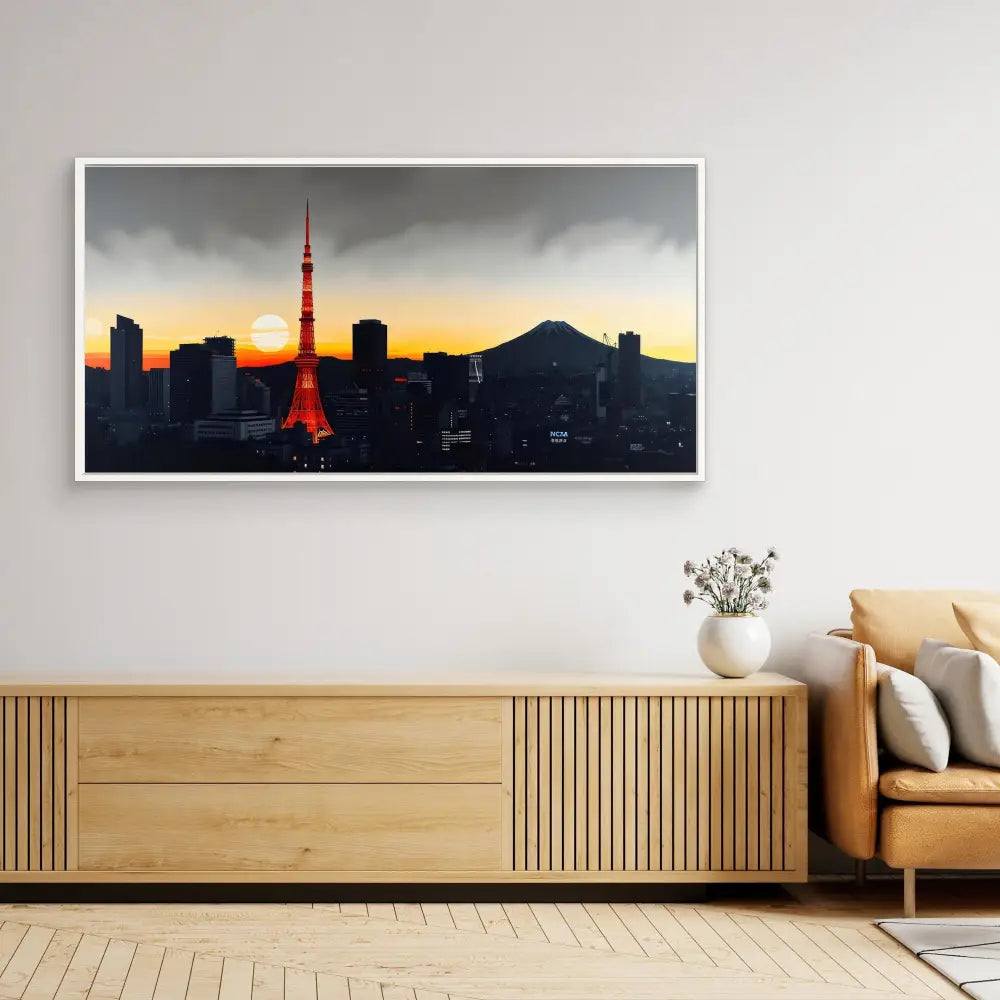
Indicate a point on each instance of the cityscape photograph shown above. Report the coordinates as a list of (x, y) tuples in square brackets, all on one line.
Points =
[(428, 319)]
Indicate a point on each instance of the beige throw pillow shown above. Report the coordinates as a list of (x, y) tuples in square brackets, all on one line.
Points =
[(980, 621), (895, 622)]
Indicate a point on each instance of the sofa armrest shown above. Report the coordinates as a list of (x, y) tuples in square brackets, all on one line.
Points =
[(843, 752)]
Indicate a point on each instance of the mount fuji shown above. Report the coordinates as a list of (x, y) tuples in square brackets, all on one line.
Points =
[(555, 345)]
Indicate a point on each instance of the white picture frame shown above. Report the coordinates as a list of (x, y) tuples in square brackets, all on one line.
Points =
[(82, 164)]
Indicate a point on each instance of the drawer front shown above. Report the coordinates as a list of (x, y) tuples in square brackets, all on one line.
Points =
[(325, 740), (303, 827)]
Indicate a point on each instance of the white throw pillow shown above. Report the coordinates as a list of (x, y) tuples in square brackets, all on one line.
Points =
[(911, 723), (967, 683)]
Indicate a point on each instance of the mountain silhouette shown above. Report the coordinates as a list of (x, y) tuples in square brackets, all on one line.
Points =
[(553, 346), (556, 346)]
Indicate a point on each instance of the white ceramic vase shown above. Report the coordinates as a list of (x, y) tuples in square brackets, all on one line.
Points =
[(734, 645)]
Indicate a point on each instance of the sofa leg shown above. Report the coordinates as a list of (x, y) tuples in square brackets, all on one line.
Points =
[(909, 892), (860, 871)]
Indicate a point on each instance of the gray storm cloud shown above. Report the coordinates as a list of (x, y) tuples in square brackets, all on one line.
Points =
[(203, 208)]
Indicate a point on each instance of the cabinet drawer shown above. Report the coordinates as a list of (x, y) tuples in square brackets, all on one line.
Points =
[(303, 827), (324, 740)]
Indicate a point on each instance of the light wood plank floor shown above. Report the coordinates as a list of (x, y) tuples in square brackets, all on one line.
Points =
[(818, 943)]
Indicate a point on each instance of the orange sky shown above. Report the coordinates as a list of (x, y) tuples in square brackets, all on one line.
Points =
[(416, 323)]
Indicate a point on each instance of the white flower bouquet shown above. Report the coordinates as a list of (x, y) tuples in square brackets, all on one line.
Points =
[(731, 583)]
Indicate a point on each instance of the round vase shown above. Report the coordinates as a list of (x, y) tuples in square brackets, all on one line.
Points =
[(734, 645)]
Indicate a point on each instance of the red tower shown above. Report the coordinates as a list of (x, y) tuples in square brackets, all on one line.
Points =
[(307, 407)]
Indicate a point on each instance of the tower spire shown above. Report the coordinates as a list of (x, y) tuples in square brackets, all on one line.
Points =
[(307, 407)]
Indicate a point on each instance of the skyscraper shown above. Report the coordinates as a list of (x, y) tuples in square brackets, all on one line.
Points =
[(352, 413), (629, 371), (190, 383), (475, 376), (307, 407), (126, 365), (159, 393), (449, 374), (202, 380), (370, 351), (254, 394), (223, 367)]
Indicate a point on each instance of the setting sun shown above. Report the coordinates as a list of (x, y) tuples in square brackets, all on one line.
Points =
[(269, 333)]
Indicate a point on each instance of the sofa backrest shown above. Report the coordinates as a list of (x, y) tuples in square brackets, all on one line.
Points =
[(895, 622)]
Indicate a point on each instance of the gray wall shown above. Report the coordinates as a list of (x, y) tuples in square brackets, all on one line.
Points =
[(853, 345)]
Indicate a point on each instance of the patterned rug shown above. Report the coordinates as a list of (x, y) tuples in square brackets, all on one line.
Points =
[(966, 950)]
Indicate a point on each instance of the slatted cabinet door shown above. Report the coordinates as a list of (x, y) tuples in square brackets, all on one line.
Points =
[(700, 787), (39, 786)]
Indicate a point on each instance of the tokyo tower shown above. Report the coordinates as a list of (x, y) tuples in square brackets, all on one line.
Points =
[(306, 406)]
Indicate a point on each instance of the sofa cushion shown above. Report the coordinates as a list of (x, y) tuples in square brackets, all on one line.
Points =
[(939, 835), (895, 622), (960, 783), (980, 621), (967, 683), (911, 723)]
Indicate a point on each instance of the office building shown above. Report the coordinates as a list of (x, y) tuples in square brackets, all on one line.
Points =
[(237, 425), (190, 382), (127, 383), (351, 412), (370, 347), (97, 387), (159, 393), (254, 394), (629, 369), (475, 375), (418, 382), (202, 381), (453, 439), (449, 375), (223, 367)]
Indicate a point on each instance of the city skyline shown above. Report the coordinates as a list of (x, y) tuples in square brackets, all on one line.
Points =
[(457, 263)]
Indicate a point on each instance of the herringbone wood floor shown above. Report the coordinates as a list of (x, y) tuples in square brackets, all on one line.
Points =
[(818, 944)]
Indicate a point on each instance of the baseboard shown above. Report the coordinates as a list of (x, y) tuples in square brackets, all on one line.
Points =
[(380, 893)]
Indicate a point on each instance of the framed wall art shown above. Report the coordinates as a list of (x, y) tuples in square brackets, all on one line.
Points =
[(348, 319)]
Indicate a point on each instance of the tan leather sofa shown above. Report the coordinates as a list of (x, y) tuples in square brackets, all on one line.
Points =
[(863, 801)]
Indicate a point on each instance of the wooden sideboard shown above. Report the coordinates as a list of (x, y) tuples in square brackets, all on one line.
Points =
[(565, 779)]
